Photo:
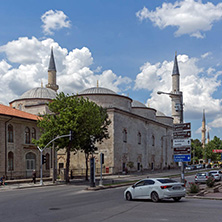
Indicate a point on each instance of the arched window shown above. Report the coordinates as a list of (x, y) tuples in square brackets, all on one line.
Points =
[(124, 135), (139, 138), (47, 167), (153, 140), (10, 133), (10, 161), (33, 133), (27, 135)]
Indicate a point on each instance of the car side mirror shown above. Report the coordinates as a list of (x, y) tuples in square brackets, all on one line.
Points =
[(133, 186)]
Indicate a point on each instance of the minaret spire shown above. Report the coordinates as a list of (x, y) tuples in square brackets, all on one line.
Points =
[(175, 67), (208, 136), (203, 139), (52, 62), (52, 73), (176, 95)]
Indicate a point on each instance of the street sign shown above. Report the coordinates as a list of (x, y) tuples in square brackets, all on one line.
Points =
[(181, 134), (182, 158), (181, 126), (181, 142), (182, 150), (217, 151)]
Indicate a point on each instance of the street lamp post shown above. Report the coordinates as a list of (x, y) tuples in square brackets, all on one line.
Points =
[(177, 108)]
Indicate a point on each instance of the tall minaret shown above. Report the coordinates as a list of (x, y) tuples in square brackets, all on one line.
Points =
[(208, 136), (203, 139), (176, 95), (52, 73)]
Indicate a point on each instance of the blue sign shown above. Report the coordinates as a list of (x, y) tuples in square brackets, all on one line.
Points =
[(182, 158)]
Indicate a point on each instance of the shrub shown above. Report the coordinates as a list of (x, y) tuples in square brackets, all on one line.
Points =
[(210, 182), (194, 188)]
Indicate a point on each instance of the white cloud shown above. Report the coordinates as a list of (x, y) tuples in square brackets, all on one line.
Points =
[(217, 122), (197, 90), (54, 20), (205, 55), (189, 16), (27, 63)]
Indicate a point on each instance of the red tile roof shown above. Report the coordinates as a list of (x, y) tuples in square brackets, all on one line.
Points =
[(6, 110)]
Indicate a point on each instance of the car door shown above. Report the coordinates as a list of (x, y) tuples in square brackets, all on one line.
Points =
[(148, 187), (138, 189)]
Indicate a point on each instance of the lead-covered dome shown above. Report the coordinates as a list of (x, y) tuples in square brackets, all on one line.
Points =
[(136, 103), (158, 113), (97, 90), (39, 92)]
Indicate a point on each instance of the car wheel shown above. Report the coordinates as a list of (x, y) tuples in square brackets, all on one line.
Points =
[(128, 196), (177, 199), (154, 196)]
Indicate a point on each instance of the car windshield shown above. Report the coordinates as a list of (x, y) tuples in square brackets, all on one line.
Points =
[(167, 181)]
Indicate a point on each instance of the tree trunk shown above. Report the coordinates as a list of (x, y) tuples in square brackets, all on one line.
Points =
[(87, 168), (67, 163)]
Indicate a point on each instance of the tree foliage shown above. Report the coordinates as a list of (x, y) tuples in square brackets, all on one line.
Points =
[(196, 150), (215, 144), (87, 120)]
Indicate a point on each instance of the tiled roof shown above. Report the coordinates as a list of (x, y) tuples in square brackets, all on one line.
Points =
[(6, 110)]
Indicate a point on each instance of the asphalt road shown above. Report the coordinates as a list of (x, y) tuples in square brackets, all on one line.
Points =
[(72, 203)]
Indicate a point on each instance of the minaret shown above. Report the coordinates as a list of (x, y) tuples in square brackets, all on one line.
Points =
[(203, 139), (208, 136), (176, 95), (52, 73)]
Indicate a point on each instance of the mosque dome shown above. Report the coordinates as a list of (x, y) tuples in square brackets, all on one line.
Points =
[(97, 90), (40, 93), (158, 113), (138, 104)]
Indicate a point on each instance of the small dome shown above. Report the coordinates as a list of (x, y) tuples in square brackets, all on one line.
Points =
[(158, 113), (97, 90), (39, 92), (136, 103)]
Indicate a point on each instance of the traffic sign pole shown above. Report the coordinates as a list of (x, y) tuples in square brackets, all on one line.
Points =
[(182, 145)]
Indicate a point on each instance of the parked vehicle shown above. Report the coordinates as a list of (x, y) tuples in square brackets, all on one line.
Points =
[(189, 168), (199, 166), (156, 189), (201, 177), (217, 174)]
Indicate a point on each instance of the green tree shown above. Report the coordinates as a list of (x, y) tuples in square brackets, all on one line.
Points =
[(215, 144), (196, 150), (87, 120)]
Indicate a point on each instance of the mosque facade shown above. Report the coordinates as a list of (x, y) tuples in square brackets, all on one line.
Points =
[(140, 136)]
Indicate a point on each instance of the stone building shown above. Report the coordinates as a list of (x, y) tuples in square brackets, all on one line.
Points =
[(18, 125), (19, 156), (138, 134)]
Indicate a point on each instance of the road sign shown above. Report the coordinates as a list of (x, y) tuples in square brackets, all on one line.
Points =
[(181, 142), (181, 126), (217, 151), (181, 134), (182, 150), (182, 158)]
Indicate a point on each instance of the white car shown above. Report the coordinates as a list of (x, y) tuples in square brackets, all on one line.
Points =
[(217, 174), (156, 189)]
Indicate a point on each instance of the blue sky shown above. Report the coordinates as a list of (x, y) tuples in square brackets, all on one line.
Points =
[(127, 45)]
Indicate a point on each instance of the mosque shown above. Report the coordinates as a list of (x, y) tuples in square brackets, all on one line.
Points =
[(140, 136)]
